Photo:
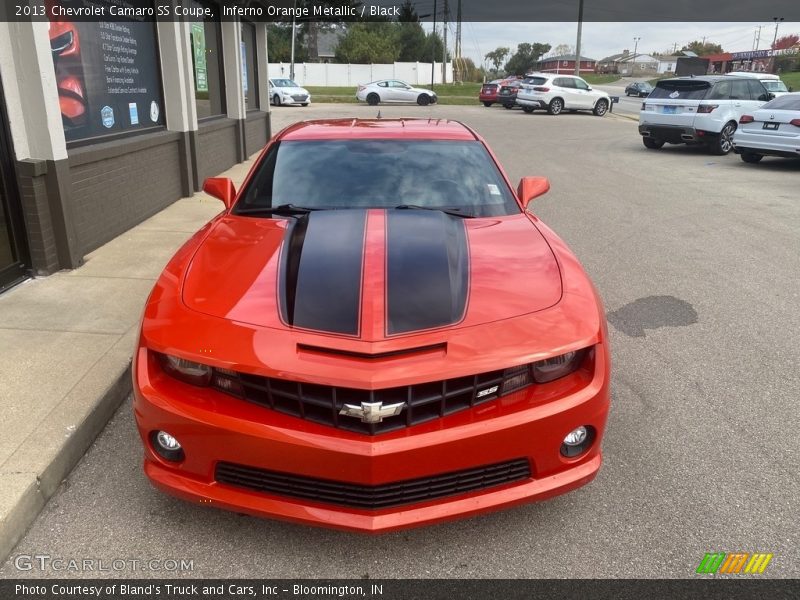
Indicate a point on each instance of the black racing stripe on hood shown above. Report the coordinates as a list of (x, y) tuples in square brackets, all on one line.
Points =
[(321, 271), (427, 270)]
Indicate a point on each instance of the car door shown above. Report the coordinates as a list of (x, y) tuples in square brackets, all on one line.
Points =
[(566, 89), (583, 95)]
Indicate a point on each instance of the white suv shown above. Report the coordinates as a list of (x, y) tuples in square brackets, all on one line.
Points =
[(698, 110), (556, 93)]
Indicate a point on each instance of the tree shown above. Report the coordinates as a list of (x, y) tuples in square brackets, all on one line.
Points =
[(787, 41), (563, 50), (368, 43), (703, 49), (466, 70), (525, 58), (280, 43), (497, 56), (410, 35)]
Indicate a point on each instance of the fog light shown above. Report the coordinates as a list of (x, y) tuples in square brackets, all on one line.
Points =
[(574, 438), (577, 441), (167, 446)]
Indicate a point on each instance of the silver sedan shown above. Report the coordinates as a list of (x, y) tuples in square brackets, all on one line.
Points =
[(772, 130), (393, 90)]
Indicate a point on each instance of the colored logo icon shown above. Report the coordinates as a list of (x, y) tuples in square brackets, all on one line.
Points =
[(734, 563)]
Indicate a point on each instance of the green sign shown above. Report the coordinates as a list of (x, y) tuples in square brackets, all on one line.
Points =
[(199, 47)]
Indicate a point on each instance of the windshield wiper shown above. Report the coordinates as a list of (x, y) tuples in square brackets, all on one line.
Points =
[(283, 209), (448, 211)]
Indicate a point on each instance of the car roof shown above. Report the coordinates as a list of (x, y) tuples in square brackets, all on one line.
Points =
[(393, 129), (707, 78)]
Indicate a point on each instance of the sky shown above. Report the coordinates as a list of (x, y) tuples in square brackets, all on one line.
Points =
[(604, 39)]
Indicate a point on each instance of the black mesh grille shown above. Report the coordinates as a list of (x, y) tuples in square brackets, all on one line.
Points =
[(322, 403), (377, 496)]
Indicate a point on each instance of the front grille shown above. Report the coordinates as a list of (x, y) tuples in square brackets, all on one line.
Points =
[(323, 403), (299, 97), (373, 496)]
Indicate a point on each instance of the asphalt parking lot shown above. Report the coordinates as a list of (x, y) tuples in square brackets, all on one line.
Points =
[(696, 258)]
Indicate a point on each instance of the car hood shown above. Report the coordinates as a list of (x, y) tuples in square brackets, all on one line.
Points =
[(372, 274), (292, 90)]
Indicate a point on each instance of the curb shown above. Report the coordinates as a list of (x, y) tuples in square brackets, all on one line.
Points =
[(29, 489)]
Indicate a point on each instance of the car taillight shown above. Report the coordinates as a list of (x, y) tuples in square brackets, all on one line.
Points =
[(361, 87), (795, 122), (706, 108), (541, 89), (746, 119)]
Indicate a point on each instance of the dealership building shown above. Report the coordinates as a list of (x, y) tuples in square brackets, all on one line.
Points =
[(105, 123)]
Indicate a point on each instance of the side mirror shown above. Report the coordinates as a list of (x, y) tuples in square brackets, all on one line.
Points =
[(532, 187), (771, 96), (791, 89), (222, 188)]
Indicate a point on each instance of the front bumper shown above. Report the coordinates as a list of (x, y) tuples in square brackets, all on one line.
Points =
[(214, 427)]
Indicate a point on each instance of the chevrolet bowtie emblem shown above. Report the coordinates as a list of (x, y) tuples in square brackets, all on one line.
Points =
[(372, 412)]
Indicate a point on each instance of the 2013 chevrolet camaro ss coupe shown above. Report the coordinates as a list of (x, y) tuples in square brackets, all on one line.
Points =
[(374, 334)]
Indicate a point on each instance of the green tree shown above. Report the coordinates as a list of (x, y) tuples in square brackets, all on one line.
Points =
[(465, 70), (410, 35), (368, 43), (279, 43), (497, 56), (703, 48), (525, 58)]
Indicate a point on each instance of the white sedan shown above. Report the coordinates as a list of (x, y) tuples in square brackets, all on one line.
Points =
[(286, 91), (393, 90), (772, 130)]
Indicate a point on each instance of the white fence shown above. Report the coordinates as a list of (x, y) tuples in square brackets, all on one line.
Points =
[(330, 74)]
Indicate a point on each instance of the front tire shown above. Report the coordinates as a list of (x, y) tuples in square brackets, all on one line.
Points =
[(276, 100), (556, 106), (652, 143), (724, 142), (373, 99), (751, 157), (508, 106), (487, 104), (601, 108), (423, 100), (527, 109)]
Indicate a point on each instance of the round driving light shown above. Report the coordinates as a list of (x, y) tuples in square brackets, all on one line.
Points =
[(576, 437), (166, 441), (166, 446)]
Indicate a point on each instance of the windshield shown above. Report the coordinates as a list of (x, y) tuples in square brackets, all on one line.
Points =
[(775, 86), (681, 90), (284, 83), (332, 174), (788, 102)]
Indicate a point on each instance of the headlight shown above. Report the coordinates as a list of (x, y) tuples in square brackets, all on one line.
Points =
[(185, 370), (558, 366)]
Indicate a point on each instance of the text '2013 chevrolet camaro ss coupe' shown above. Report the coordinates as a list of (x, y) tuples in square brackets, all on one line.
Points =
[(374, 334)]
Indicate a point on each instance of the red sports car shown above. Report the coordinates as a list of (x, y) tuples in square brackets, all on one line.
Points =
[(374, 334)]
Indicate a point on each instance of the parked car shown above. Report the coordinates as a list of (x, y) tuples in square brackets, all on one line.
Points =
[(286, 91), (555, 93), (507, 94), (489, 91), (641, 89), (699, 110), (394, 90), (392, 342), (773, 83), (772, 130)]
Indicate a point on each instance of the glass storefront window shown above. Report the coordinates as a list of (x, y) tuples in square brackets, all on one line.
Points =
[(108, 76), (209, 85), (249, 75)]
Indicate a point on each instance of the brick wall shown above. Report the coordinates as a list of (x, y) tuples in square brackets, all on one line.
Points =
[(216, 147), (255, 137)]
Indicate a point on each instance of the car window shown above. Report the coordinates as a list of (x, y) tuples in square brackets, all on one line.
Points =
[(383, 83), (380, 174), (788, 102), (720, 91), (399, 84), (740, 90), (564, 82), (775, 86), (535, 80), (580, 84), (757, 91), (283, 83), (686, 89)]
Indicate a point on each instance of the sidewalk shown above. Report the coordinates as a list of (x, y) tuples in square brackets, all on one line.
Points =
[(66, 343)]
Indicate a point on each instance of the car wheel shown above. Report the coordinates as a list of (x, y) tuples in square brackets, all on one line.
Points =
[(487, 104), (527, 109), (276, 100), (652, 143), (508, 106), (373, 99), (601, 107), (751, 157), (423, 100), (556, 106), (724, 142), (304, 104)]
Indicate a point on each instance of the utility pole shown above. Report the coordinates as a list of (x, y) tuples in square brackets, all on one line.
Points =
[(433, 45), (635, 47), (578, 41), (774, 39), (291, 66), (757, 38), (445, 17), (458, 43)]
